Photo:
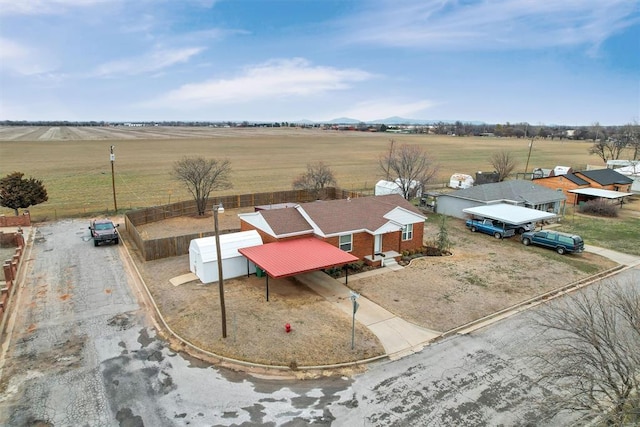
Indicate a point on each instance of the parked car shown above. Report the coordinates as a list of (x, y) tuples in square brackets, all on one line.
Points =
[(561, 242), (104, 231), (519, 228), (487, 226)]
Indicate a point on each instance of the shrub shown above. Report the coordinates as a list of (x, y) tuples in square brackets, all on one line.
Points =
[(599, 207), (443, 243), (356, 266)]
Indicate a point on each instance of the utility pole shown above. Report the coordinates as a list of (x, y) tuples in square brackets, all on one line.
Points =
[(219, 209), (112, 157), (528, 156)]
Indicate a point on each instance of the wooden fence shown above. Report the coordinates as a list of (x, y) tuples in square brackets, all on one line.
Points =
[(179, 245)]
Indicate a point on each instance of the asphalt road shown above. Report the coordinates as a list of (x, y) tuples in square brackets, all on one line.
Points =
[(84, 353)]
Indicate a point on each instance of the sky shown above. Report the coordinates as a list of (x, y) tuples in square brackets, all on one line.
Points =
[(544, 62)]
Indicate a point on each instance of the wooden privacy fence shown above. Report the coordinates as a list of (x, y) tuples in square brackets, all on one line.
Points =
[(179, 245)]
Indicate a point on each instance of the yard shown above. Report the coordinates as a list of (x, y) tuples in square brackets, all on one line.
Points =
[(482, 276)]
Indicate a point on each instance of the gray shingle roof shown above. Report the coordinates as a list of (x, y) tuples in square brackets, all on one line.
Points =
[(576, 179), (517, 190)]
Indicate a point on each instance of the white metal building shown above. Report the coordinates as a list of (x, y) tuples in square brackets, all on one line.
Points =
[(461, 180), (203, 257), (383, 187)]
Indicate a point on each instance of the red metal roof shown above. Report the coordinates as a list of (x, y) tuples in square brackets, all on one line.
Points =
[(296, 256)]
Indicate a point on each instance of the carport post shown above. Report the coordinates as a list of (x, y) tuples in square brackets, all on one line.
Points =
[(267, 276)]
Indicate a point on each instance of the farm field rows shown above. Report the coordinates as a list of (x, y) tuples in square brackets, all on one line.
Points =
[(73, 162)]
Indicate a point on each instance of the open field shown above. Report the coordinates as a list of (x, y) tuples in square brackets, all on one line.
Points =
[(73, 162)]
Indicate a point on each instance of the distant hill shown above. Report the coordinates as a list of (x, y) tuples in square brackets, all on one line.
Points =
[(395, 120), (344, 121)]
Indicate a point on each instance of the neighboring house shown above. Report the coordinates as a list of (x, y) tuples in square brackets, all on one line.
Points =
[(366, 227), (516, 192), (604, 179), (563, 183)]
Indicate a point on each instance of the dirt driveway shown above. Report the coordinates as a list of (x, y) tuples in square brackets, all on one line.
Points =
[(482, 276)]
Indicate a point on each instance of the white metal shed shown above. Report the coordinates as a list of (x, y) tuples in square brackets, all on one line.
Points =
[(383, 187), (203, 257), (461, 180)]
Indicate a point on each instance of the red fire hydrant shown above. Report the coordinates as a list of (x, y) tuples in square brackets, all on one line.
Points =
[(287, 328)]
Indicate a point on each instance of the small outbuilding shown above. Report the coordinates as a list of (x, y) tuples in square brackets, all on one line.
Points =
[(203, 256), (461, 180), (384, 188)]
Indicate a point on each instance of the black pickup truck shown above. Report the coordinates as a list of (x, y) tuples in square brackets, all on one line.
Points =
[(104, 231)]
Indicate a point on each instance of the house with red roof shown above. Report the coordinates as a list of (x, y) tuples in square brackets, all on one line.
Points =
[(373, 229)]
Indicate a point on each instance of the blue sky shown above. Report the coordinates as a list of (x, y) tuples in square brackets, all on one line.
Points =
[(570, 62)]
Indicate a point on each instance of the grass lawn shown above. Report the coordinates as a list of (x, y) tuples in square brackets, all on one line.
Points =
[(618, 234)]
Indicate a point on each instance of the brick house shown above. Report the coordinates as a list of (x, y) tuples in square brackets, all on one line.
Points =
[(604, 179), (373, 229)]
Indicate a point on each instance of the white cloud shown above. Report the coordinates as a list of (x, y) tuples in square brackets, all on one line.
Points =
[(384, 108), (39, 7), (21, 59), (495, 24), (154, 61), (273, 79)]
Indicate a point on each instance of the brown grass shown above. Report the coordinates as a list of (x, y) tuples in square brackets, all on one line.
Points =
[(483, 275), (74, 162)]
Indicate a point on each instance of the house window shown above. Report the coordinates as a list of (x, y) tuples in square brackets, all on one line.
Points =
[(346, 242), (407, 232)]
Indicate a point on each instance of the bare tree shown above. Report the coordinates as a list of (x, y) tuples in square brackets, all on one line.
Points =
[(503, 163), (608, 149), (631, 136), (317, 177), (591, 350), (202, 176), (409, 166)]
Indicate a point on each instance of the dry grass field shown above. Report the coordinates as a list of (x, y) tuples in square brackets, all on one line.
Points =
[(73, 162)]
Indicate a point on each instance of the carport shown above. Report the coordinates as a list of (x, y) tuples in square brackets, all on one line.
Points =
[(291, 257), (598, 193), (510, 214)]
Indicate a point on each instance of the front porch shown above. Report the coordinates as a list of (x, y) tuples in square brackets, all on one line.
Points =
[(381, 259)]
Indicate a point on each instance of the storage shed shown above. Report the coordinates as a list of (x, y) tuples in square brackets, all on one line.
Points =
[(461, 180), (203, 258), (395, 187)]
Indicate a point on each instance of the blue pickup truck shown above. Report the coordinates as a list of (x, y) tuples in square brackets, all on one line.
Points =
[(489, 226)]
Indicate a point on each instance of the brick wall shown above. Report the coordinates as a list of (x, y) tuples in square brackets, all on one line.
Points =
[(23, 220), (10, 273)]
